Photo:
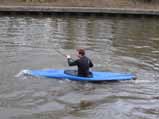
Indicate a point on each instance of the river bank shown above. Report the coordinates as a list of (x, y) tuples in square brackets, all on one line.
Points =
[(50, 9), (102, 6), (138, 4)]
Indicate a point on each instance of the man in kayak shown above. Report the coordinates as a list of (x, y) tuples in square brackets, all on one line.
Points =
[(83, 63)]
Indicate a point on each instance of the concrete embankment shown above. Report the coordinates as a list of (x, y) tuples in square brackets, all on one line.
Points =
[(49, 9)]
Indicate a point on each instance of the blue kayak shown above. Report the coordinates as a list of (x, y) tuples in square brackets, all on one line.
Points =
[(72, 75)]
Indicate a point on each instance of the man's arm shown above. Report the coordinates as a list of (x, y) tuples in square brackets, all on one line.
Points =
[(71, 62)]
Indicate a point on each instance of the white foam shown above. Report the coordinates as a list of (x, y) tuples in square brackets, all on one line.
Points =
[(23, 72), (144, 81)]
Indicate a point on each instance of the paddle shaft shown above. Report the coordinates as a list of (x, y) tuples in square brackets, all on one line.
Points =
[(61, 53)]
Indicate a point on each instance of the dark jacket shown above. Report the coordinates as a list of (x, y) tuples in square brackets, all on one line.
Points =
[(83, 64)]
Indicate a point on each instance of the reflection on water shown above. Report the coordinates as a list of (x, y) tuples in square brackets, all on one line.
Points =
[(124, 44)]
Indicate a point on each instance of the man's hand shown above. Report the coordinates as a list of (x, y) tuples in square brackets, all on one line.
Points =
[(68, 56)]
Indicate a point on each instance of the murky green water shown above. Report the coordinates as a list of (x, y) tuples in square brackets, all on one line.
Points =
[(123, 44)]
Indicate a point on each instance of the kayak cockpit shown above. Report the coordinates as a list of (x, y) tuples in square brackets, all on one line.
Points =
[(75, 73)]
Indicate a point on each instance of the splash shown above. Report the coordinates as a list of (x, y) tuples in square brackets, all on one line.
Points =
[(23, 72)]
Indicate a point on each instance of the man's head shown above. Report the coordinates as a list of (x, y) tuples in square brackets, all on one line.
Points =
[(81, 52)]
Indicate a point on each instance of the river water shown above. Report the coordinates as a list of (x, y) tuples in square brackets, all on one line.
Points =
[(114, 43)]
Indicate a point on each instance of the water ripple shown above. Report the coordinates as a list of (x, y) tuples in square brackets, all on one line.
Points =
[(113, 44)]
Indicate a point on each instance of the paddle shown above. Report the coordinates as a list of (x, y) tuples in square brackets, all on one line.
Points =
[(61, 53)]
